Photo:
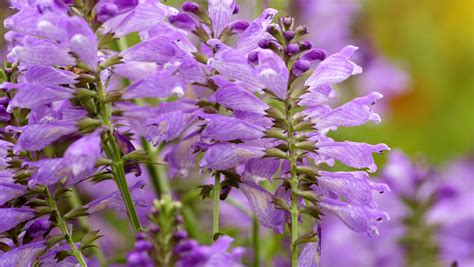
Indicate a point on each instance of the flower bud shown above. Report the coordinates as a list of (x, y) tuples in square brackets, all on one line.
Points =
[(236, 9), (253, 57), (239, 26), (182, 21), (138, 258), (143, 245), (155, 229), (140, 236), (305, 45), (186, 246), (287, 22), (301, 30), (292, 49), (180, 235), (301, 66), (289, 35), (190, 7), (179, 219), (106, 11), (314, 55), (264, 43)]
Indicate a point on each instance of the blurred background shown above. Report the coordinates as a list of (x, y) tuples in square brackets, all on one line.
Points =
[(420, 55)]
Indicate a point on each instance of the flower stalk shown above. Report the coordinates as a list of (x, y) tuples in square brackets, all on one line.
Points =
[(217, 192), (75, 202), (63, 227), (293, 182), (113, 153)]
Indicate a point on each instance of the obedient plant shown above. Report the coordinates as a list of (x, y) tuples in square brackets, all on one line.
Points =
[(423, 230), (248, 102), (265, 114)]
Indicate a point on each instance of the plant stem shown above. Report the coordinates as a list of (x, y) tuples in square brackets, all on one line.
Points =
[(113, 152), (158, 178), (63, 227), (294, 185), (217, 193), (255, 241), (75, 201)]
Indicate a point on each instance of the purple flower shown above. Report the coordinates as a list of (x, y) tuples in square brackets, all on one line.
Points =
[(273, 73), (142, 17), (114, 200), (238, 99), (261, 202), (354, 187), (220, 12), (214, 255), (11, 217), (159, 84), (335, 69), (356, 155), (356, 217), (10, 191), (82, 155), (248, 40), (46, 125), (226, 155), (23, 255), (224, 128)]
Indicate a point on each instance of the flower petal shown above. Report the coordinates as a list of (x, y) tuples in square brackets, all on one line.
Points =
[(24, 255), (352, 154), (11, 217), (236, 98), (353, 186), (353, 113), (334, 69), (357, 218), (226, 155), (220, 12), (260, 201), (225, 128)]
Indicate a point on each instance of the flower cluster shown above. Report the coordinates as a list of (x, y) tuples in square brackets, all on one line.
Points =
[(165, 245), (263, 113), (245, 101), (423, 230)]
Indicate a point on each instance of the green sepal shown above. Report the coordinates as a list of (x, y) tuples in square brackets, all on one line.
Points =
[(312, 211), (304, 126), (90, 237), (53, 240), (76, 213), (306, 238), (206, 190), (276, 153)]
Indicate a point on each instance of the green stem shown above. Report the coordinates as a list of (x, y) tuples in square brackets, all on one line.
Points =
[(63, 227), (113, 152), (75, 201), (217, 192), (294, 185), (158, 177), (255, 241)]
